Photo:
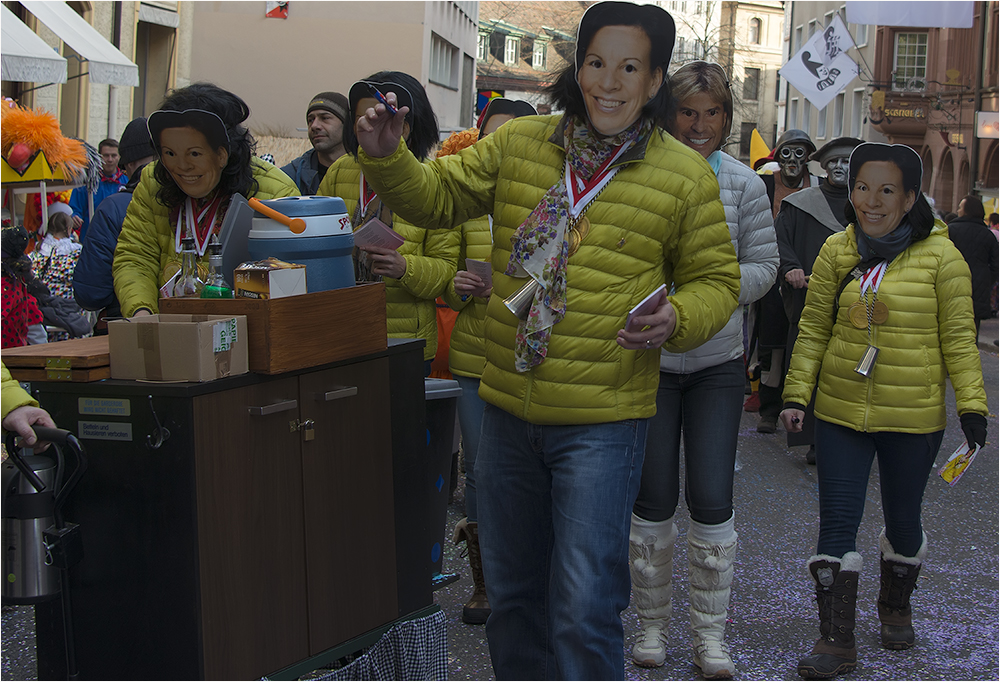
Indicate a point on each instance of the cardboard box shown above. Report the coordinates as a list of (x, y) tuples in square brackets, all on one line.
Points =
[(305, 331), (265, 280), (178, 347)]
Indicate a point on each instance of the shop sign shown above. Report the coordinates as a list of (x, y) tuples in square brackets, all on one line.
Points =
[(119, 407), (904, 113), (104, 431)]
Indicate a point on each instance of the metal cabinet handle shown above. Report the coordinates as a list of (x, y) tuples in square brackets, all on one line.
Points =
[(274, 408), (340, 392)]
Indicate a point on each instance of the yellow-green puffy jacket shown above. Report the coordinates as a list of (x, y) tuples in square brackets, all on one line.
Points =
[(13, 395), (928, 335), (659, 220), (145, 257), (431, 259), (467, 353)]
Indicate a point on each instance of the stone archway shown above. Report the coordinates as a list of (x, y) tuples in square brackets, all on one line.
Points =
[(945, 193), (989, 175), (928, 173), (963, 184)]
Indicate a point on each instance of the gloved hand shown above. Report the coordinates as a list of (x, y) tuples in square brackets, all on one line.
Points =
[(974, 427)]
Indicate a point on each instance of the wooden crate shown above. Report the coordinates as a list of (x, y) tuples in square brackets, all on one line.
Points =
[(298, 332), (77, 360)]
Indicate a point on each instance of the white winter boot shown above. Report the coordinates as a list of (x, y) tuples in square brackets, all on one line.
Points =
[(711, 552), (651, 563)]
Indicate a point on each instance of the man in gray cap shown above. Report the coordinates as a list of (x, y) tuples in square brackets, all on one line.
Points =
[(805, 220), (326, 116)]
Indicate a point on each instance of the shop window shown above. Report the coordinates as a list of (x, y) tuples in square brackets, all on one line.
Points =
[(538, 56), (838, 115), (746, 133), (512, 51), (443, 69), (751, 83), (909, 65)]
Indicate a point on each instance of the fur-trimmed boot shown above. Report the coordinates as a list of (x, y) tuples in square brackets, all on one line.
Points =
[(477, 610), (899, 578), (836, 594), (651, 564), (711, 553)]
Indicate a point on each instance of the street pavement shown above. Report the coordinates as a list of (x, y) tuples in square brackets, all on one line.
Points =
[(773, 615)]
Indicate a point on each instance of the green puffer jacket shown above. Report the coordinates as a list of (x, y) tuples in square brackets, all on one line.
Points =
[(928, 335), (145, 256), (431, 260), (659, 220), (467, 353)]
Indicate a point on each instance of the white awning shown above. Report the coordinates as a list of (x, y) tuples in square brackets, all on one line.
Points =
[(26, 57), (106, 64)]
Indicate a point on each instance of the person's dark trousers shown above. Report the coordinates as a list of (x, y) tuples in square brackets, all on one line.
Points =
[(843, 463)]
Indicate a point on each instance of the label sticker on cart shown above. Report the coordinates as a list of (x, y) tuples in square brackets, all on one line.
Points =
[(223, 335), (104, 430), (118, 407)]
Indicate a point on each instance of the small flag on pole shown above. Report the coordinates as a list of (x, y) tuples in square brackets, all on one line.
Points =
[(821, 69)]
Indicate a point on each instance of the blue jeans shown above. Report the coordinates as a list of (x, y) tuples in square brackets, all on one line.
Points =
[(843, 462), (470, 421), (554, 513), (706, 405)]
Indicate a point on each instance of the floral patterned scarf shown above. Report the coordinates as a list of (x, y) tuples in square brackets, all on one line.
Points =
[(540, 246)]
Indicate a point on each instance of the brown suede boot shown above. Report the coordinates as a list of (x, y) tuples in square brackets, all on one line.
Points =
[(477, 609), (837, 594), (899, 578)]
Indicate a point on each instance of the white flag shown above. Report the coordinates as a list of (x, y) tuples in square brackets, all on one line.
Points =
[(927, 14), (822, 69)]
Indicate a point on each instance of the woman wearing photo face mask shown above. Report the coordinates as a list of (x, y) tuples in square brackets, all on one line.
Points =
[(205, 155), (700, 395), (568, 389), (421, 269), (888, 316)]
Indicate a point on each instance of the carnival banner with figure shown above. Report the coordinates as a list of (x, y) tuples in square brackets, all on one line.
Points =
[(822, 69)]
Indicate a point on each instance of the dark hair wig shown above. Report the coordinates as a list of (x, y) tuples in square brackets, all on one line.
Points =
[(974, 207), (658, 26), (237, 176), (424, 134), (501, 106), (908, 162)]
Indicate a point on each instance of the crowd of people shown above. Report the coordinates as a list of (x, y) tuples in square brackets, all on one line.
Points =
[(842, 296)]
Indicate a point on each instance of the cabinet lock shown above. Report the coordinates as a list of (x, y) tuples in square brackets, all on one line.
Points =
[(305, 425)]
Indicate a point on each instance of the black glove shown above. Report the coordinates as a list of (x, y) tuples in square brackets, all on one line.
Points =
[(974, 427)]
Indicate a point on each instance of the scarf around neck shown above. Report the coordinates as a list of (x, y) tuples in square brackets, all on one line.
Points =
[(540, 246), (887, 247)]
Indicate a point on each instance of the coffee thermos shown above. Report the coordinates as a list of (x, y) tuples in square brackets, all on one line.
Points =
[(27, 513)]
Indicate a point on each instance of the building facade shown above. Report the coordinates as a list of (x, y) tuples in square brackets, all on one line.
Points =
[(278, 64), (750, 50), (154, 35), (929, 86), (847, 114), (522, 48)]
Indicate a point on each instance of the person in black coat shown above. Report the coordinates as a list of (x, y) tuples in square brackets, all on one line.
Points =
[(981, 251), (93, 282), (804, 222)]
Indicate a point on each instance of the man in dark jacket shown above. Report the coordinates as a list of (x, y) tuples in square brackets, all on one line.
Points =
[(325, 117), (980, 249), (112, 180), (771, 325), (93, 283), (803, 224)]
